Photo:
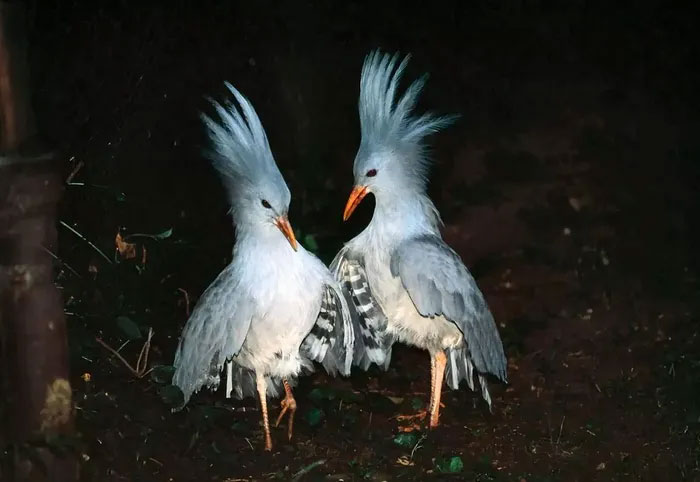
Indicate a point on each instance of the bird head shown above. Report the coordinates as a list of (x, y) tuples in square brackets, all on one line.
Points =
[(391, 162), (241, 154)]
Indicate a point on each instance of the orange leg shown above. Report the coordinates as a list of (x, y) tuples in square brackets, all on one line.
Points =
[(288, 404), (432, 381), (262, 389), (422, 414), (440, 361)]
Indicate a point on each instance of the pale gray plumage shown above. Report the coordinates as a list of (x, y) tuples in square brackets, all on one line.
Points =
[(404, 283), (272, 310)]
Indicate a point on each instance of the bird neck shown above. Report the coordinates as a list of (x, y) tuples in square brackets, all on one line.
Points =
[(260, 235), (399, 217)]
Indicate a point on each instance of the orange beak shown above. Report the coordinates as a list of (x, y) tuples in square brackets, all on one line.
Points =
[(356, 196), (283, 225)]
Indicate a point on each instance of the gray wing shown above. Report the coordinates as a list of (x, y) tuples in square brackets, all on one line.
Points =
[(214, 333), (331, 340), (440, 285), (372, 344)]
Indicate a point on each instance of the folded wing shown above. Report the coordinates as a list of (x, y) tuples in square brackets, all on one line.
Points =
[(213, 334), (440, 285)]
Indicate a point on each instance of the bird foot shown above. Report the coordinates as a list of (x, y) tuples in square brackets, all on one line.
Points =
[(420, 415), (288, 404), (411, 423)]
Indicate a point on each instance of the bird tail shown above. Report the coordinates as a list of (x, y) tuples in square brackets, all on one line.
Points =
[(460, 367)]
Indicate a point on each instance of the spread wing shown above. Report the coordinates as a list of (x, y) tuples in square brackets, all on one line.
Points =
[(440, 285), (372, 345), (332, 338), (214, 333)]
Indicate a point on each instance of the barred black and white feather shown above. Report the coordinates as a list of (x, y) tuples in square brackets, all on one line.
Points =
[(275, 308), (330, 341), (372, 344), (428, 297)]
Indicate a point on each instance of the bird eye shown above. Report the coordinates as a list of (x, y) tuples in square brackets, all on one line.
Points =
[(266, 204), (371, 173)]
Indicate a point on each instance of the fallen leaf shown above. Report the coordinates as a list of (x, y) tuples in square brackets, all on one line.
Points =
[(162, 373), (129, 327), (406, 439), (453, 465), (171, 395), (314, 416), (125, 250)]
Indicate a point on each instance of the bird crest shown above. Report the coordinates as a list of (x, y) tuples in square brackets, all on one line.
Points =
[(239, 149), (387, 121)]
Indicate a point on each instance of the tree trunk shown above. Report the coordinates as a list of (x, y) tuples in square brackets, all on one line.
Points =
[(36, 403)]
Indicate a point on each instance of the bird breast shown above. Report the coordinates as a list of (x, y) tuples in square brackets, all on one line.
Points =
[(290, 290)]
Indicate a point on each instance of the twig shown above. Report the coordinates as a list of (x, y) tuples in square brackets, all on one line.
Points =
[(308, 469), (249, 444), (86, 240), (63, 263), (418, 444), (116, 353), (187, 301), (142, 361), (77, 168), (561, 427), (143, 356)]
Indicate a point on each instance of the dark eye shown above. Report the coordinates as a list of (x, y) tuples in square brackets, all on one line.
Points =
[(371, 173), (266, 204)]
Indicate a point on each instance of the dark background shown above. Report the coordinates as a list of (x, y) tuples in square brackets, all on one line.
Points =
[(569, 186)]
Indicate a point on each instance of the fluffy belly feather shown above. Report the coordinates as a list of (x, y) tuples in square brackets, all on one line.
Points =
[(406, 325)]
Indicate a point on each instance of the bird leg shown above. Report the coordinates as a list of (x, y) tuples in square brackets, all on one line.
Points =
[(287, 404), (432, 381), (422, 414), (262, 389), (440, 361)]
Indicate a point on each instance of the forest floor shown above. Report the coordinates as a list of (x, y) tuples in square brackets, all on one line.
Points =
[(564, 194)]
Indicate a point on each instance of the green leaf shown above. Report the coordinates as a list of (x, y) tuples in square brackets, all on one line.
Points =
[(416, 403), (130, 329), (240, 427), (171, 395), (319, 394), (158, 237), (314, 416), (164, 235), (310, 243), (408, 440), (162, 373), (453, 465)]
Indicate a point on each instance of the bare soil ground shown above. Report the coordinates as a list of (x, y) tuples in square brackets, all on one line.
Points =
[(569, 188)]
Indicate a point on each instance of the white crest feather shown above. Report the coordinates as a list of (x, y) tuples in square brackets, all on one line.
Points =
[(388, 123), (239, 150)]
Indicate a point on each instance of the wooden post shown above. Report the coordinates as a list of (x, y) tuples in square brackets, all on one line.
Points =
[(36, 391)]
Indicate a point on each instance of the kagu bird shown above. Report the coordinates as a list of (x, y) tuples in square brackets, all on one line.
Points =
[(403, 282), (276, 307)]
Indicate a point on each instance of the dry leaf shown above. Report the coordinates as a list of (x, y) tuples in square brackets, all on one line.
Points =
[(126, 250)]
